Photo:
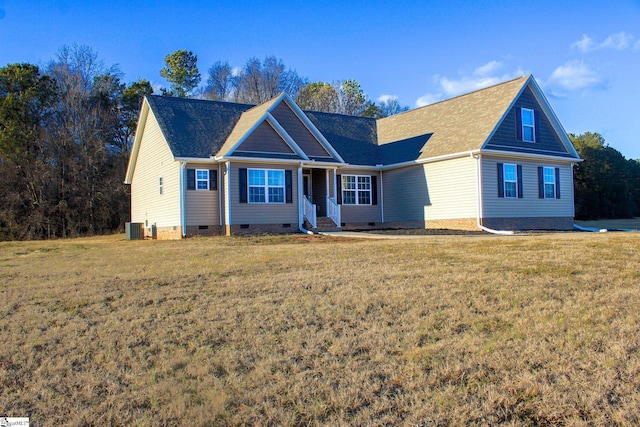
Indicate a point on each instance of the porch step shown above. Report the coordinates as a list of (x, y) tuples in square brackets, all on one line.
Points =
[(324, 223)]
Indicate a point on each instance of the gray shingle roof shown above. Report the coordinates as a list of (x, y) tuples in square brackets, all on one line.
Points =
[(354, 138), (193, 127)]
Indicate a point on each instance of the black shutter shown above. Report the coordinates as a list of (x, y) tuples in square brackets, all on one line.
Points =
[(242, 181), (288, 186), (339, 189), (374, 190), (557, 183), (520, 192), (191, 179), (518, 124), (536, 121), (213, 180), (540, 182), (500, 180)]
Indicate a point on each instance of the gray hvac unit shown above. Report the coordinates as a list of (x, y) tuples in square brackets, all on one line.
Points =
[(134, 230)]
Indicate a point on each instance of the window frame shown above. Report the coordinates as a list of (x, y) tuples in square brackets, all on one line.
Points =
[(514, 181), (531, 126), (199, 180), (358, 192), (552, 183), (266, 186)]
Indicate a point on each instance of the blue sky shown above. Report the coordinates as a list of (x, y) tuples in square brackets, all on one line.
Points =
[(584, 54)]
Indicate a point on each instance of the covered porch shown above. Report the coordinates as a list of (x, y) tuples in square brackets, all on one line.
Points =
[(319, 197)]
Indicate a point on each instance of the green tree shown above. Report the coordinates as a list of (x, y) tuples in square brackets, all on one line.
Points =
[(132, 97), (604, 182), (353, 100), (26, 97), (319, 96), (181, 72)]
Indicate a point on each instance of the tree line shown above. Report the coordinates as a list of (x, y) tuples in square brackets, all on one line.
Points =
[(66, 130)]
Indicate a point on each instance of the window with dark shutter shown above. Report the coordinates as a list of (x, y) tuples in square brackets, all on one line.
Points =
[(520, 192), (557, 183), (191, 179), (242, 184), (374, 190), (540, 182), (288, 182), (500, 180), (213, 180)]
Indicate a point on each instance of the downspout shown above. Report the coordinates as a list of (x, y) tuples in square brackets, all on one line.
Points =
[(381, 197), (300, 201), (183, 199), (221, 186), (479, 200), (227, 204)]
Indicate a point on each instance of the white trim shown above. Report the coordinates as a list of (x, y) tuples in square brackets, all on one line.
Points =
[(532, 126), (544, 182), (183, 197), (201, 180), (221, 190), (227, 188), (381, 198), (357, 190), (133, 156), (504, 180), (285, 136), (266, 186), (515, 155)]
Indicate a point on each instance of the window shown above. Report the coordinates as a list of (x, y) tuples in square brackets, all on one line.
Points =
[(160, 185), (356, 190), (549, 183), (266, 186), (202, 179), (528, 125), (510, 181)]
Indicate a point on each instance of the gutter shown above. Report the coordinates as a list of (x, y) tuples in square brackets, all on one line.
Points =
[(183, 199)]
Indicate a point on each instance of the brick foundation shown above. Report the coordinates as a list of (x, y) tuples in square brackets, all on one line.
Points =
[(239, 229), (198, 230), (530, 223), (467, 224), (163, 233)]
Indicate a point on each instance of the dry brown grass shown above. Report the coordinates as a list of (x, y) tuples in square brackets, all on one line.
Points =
[(457, 330)]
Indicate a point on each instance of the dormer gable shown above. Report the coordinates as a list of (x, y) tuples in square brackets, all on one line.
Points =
[(256, 130), (530, 126)]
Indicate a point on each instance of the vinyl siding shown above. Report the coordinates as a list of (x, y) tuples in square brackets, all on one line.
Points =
[(505, 136), (452, 189), (263, 213), (406, 194), (155, 161), (530, 205), (298, 131), (265, 139), (361, 213), (203, 207)]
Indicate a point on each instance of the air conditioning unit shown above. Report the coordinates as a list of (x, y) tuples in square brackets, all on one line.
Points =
[(133, 230)]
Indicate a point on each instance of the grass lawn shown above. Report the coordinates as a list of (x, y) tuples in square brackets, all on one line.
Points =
[(307, 330)]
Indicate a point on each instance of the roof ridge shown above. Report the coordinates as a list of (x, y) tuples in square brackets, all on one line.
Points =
[(180, 99), (527, 76)]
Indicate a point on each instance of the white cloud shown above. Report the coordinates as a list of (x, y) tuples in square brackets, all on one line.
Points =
[(585, 44), (387, 98), (483, 76), (236, 71), (428, 98), (617, 41), (574, 75)]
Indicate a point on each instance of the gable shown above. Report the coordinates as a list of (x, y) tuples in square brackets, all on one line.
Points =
[(299, 132), (264, 139), (506, 138)]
